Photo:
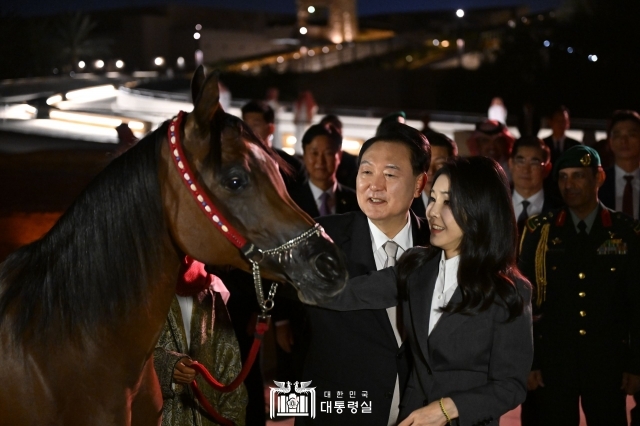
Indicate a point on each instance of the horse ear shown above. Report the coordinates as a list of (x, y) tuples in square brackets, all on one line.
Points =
[(206, 95), (206, 106)]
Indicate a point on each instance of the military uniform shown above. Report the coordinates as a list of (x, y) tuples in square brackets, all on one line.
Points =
[(587, 297)]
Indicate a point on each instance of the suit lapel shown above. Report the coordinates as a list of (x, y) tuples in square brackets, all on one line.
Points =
[(448, 322), (358, 247), (420, 295), (307, 201)]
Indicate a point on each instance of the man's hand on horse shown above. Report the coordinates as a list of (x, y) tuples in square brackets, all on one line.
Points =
[(182, 374)]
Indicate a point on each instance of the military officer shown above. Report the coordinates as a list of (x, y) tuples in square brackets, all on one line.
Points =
[(584, 263)]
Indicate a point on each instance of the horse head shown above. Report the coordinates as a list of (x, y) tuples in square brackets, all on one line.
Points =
[(239, 173)]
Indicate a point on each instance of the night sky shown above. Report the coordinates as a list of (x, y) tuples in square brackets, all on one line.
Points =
[(365, 7)]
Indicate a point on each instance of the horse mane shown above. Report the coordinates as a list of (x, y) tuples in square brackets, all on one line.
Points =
[(98, 261)]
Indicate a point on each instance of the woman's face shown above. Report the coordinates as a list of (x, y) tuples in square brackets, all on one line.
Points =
[(445, 232)]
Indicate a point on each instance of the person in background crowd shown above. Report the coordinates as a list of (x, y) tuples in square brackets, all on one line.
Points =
[(529, 119), (363, 350), (492, 139), (583, 260), (497, 111), (466, 307), (260, 117), (271, 99), (442, 150), (394, 117), (198, 328), (529, 165), (558, 142), (321, 194), (348, 168), (304, 108), (426, 120), (621, 188)]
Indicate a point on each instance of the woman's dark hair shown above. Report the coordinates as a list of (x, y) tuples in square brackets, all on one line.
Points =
[(481, 205)]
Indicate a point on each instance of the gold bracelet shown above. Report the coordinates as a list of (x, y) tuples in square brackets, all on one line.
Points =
[(444, 411)]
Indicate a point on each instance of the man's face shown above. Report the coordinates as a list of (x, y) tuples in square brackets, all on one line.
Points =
[(559, 123), (257, 123), (385, 185), (579, 186), (528, 170), (491, 146), (439, 156), (321, 160), (625, 140)]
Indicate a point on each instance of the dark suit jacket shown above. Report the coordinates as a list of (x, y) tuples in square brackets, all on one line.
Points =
[(356, 351), (568, 143), (481, 361), (607, 192), (418, 208), (346, 200)]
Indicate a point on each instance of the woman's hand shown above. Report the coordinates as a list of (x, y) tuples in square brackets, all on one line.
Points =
[(182, 374), (432, 414)]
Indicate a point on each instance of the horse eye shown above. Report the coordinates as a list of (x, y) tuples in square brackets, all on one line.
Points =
[(234, 183)]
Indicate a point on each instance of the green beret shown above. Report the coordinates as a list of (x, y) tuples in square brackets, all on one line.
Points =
[(577, 156)]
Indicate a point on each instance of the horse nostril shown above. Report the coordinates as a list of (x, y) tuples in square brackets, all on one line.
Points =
[(327, 266)]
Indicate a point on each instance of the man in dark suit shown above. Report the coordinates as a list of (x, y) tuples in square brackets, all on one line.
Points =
[(362, 351), (621, 188), (260, 117), (321, 194), (583, 259), (348, 168), (558, 142), (442, 149), (529, 165)]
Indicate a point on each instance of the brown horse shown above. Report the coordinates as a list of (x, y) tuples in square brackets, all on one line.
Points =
[(82, 308)]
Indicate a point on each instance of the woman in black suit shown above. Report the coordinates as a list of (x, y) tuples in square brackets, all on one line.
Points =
[(465, 307)]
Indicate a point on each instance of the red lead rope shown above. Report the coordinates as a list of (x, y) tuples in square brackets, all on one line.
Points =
[(261, 328)]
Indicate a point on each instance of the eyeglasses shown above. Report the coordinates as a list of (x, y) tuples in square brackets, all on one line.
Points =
[(534, 163)]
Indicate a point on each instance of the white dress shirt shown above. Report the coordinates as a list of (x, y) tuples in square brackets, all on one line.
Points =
[(317, 196), (621, 183), (186, 309), (536, 203), (446, 285), (404, 239)]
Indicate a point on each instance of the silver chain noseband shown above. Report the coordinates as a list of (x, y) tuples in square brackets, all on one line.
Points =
[(255, 256)]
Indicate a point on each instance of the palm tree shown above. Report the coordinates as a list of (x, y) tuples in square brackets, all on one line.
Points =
[(74, 39)]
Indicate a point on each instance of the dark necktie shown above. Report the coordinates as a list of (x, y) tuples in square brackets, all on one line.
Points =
[(582, 229), (324, 209), (522, 219), (627, 197)]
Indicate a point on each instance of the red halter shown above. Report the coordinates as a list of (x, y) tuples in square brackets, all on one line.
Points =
[(205, 204)]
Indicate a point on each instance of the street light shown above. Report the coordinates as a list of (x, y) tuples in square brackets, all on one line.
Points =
[(303, 30), (119, 64), (99, 63), (81, 65), (311, 9), (159, 61), (459, 13), (196, 36)]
